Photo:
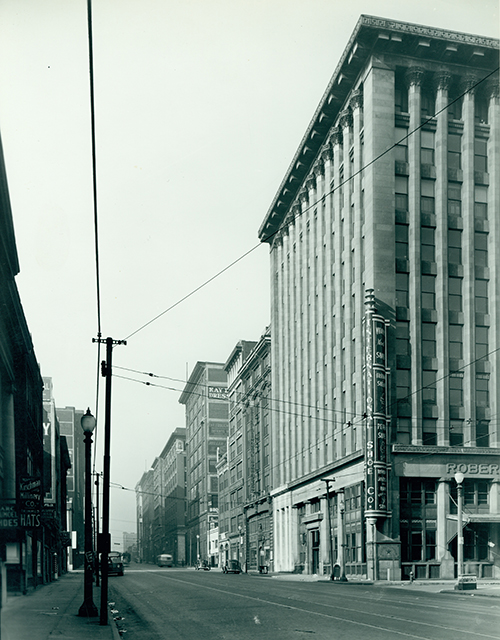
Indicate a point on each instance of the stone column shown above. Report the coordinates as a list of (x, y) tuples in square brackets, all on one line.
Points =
[(347, 222), (356, 105), (442, 82), (328, 268), (336, 140), (414, 79), (447, 570), (304, 421), (469, 330)]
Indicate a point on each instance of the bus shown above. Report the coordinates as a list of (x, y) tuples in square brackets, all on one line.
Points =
[(165, 560)]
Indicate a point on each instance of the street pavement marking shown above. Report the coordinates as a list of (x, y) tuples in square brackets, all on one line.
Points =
[(327, 615)]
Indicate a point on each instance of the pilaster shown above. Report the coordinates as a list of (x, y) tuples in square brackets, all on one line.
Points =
[(414, 78)]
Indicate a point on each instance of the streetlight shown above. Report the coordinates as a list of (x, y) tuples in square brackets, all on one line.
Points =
[(459, 478), (342, 538), (197, 548), (327, 481), (88, 608)]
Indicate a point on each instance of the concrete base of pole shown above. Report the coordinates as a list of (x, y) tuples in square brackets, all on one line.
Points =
[(88, 610)]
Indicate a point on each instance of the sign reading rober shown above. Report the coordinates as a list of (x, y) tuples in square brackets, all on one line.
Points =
[(376, 411)]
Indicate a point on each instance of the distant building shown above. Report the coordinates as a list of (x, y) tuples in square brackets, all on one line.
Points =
[(70, 427), (57, 507), (207, 417), (385, 317), (245, 512), (130, 544), (173, 458), (145, 518)]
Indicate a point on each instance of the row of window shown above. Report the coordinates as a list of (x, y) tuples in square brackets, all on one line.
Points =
[(428, 102)]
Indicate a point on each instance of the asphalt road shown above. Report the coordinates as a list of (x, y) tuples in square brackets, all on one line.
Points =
[(174, 604)]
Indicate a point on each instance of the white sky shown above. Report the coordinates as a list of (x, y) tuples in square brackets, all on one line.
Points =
[(200, 106)]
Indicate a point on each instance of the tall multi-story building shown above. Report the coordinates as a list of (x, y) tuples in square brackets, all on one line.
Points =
[(385, 312), (69, 420), (173, 457), (245, 513), (57, 508), (145, 516), (207, 418)]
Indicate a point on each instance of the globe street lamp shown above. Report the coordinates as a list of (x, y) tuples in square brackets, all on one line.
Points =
[(459, 478), (88, 608)]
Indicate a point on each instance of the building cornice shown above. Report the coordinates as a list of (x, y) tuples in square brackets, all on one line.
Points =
[(372, 35)]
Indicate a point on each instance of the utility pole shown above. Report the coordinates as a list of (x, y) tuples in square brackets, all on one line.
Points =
[(106, 370)]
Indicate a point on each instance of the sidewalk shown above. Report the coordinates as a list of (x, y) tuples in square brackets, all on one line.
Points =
[(52, 611), (485, 586)]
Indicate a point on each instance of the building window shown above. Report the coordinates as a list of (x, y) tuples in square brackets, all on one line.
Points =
[(456, 433), (482, 342), (482, 391), (427, 147), (429, 433), (403, 385), (454, 246), (480, 249), (402, 283), (456, 341), (455, 105), (481, 155), (454, 151), (401, 192), (401, 242), (481, 296), (480, 108), (428, 292), (456, 392), (400, 97), (454, 199), (429, 387), (402, 338), (427, 196), (401, 148), (427, 104), (455, 294), (481, 203), (418, 519), (482, 433)]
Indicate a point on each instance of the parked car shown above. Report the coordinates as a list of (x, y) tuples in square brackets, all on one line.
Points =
[(165, 560), (203, 565), (232, 566), (115, 564)]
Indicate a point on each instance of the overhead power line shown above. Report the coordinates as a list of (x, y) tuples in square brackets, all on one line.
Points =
[(271, 235)]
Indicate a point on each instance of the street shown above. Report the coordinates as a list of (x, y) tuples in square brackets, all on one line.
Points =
[(160, 603)]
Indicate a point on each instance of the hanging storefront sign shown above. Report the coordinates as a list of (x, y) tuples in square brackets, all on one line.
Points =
[(30, 497), (376, 469)]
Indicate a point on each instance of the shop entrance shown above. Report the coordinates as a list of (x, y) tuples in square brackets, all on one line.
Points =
[(315, 551)]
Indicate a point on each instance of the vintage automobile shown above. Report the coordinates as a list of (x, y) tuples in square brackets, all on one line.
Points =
[(202, 565), (115, 564), (232, 566), (165, 560)]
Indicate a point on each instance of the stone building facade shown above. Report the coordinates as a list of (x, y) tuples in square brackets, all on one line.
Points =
[(383, 239)]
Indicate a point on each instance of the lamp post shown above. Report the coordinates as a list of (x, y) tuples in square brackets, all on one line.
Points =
[(459, 478), (342, 546), (88, 608), (327, 481), (197, 547)]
